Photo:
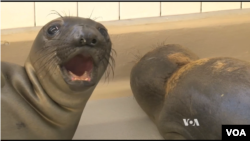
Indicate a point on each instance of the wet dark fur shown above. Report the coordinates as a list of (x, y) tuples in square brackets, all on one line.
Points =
[(39, 99), (147, 74), (53, 52), (215, 91)]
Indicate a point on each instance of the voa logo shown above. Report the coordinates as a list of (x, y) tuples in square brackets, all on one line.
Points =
[(236, 132), (188, 122)]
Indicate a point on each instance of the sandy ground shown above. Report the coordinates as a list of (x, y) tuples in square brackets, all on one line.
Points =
[(217, 36)]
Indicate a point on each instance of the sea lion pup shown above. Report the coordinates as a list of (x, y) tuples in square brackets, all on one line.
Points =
[(197, 98), (150, 73), (45, 98)]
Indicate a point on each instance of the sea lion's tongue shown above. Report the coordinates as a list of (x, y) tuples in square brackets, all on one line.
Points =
[(80, 67)]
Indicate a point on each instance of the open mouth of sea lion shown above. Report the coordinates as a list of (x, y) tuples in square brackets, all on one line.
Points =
[(79, 68)]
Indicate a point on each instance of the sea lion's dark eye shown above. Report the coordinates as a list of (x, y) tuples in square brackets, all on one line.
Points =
[(53, 29), (103, 31)]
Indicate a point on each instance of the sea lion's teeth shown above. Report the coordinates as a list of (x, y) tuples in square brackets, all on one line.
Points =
[(85, 77), (85, 73), (72, 74)]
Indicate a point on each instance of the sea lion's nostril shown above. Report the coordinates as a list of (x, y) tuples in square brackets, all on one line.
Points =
[(90, 40), (83, 41), (94, 41)]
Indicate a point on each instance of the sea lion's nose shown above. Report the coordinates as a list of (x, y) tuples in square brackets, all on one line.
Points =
[(88, 38)]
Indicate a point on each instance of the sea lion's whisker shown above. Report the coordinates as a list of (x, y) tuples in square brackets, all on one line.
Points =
[(110, 67), (43, 74), (95, 18), (49, 47), (51, 63), (52, 60), (45, 49), (56, 39), (65, 15), (92, 12), (53, 51), (56, 13), (45, 59), (44, 56), (113, 51)]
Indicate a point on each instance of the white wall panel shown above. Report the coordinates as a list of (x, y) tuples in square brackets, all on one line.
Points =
[(175, 8), (131, 10), (245, 5), (17, 14), (217, 6), (101, 11), (43, 11)]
